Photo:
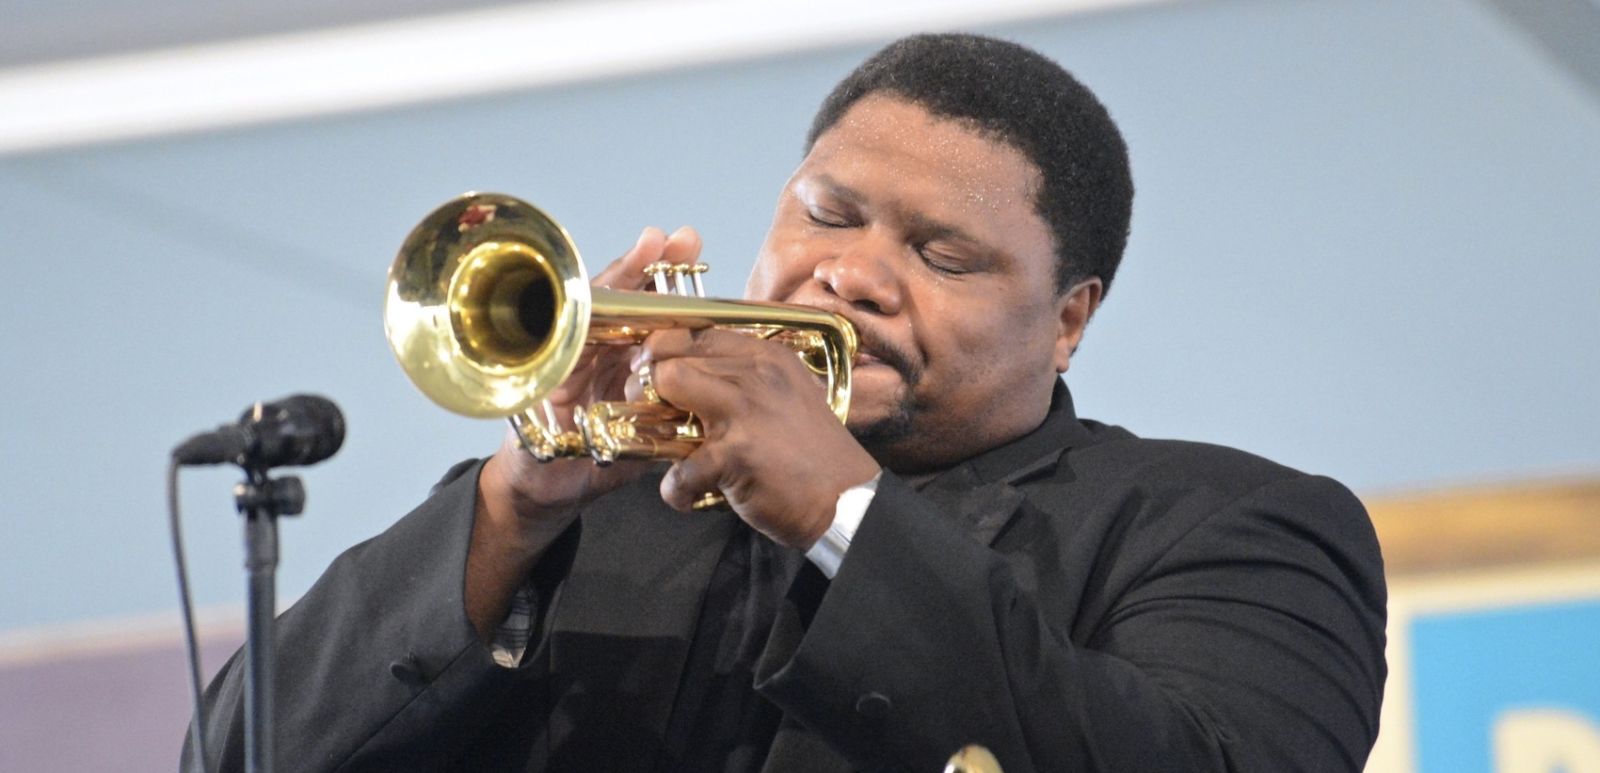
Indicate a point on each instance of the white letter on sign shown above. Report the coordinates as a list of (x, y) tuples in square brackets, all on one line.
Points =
[(1546, 741)]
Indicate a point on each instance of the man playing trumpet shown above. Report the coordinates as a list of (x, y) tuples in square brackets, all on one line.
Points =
[(965, 562)]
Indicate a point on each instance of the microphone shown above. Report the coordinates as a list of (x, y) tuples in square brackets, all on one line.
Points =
[(296, 430)]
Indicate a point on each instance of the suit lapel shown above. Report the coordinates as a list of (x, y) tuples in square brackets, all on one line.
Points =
[(623, 623), (795, 748), (986, 509), (983, 491)]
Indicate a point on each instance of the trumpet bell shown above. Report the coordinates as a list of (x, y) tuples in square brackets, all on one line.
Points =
[(487, 305)]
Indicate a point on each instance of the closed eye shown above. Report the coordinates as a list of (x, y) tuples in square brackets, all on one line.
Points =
[(827, 219), (943, 264)]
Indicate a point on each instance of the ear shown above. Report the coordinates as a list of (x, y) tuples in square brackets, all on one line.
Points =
[(1074, 308)]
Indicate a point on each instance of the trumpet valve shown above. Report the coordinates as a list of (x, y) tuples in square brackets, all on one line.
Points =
[(678, 278), (695, 271), (543, 437), (658, 272)]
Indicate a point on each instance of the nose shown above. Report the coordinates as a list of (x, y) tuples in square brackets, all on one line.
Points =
[(864, 275)]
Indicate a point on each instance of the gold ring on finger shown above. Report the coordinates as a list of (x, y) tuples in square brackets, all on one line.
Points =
[(647, 385)]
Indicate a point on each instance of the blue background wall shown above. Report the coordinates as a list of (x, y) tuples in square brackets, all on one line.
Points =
[(1365, 244)]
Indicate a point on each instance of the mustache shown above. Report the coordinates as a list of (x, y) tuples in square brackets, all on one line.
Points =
[(889, 353), (872, 342)]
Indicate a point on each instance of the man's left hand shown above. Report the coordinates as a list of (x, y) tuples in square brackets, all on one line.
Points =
[(773, 446)]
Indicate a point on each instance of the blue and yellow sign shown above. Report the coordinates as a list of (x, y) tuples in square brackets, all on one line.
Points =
[(1494, 673)]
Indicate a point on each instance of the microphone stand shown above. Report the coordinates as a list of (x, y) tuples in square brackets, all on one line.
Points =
[(261, 499)]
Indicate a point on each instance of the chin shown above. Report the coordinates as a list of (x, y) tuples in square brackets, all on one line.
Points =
[(876, 430)]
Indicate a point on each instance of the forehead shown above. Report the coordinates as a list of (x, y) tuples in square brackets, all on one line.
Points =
[(902, 161), (924, 153)]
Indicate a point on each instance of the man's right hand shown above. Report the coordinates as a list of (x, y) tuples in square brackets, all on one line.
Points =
[(525, 504)]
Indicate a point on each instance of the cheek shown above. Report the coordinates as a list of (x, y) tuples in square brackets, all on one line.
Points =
[(960, 341), (772, 278), (783, 266), (992, 342), (759, 285)]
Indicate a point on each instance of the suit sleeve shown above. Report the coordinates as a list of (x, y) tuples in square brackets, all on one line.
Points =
[(1249, 639), (377, 655)]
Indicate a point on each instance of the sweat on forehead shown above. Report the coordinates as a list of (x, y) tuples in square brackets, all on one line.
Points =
[(991, 172)]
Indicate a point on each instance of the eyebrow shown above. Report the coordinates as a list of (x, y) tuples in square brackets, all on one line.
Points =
[(840, 191)]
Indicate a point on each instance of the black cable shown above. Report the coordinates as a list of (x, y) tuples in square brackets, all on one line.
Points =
[(191, 642)]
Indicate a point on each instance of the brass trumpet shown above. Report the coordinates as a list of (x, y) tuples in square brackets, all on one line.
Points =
[(488, 310)]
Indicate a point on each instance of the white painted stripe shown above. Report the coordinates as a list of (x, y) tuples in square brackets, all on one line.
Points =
[(112, 636), (424, 59)]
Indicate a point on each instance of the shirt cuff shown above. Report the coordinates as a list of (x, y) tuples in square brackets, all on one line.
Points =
[(511, 637), (829, 551)]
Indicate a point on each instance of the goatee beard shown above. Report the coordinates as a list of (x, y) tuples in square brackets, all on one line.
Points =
[(882, 435), (881, 438)]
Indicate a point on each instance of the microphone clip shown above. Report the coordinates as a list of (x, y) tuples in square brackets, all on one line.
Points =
[(279, 496)]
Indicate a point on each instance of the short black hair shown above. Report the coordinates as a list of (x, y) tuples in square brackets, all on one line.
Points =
[(1022, 98)]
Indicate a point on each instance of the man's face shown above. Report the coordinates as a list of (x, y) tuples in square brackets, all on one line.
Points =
[(923, 233)]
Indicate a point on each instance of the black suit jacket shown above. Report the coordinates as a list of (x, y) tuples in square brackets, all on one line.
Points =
[(1076, 600)]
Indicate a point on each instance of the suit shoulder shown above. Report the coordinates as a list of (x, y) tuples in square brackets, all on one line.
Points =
[(1176, 466), (1165, 489)]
